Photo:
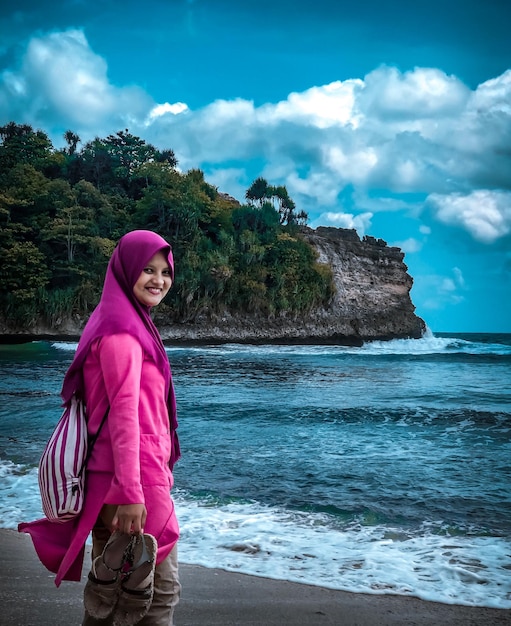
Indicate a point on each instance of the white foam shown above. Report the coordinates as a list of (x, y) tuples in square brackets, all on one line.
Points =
[(19, 494), (65, 346), (313, 549), (428, 344), (277, 544)]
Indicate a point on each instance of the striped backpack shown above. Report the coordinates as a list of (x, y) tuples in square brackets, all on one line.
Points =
[(63, 462)]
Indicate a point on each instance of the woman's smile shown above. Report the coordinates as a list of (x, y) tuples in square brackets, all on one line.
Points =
[(154, 281)]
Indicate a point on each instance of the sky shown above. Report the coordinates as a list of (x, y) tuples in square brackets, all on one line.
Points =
[(393, 118)]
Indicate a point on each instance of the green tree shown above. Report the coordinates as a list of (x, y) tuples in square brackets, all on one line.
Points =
[(258, 190), (23, 186), (261, 192), (20, 144), (72, 140), (95, 164), (166, 156), (23, 272), (286, 205), (128, 153), (61, 213)]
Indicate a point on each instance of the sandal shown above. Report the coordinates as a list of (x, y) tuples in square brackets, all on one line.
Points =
[(117, 551), (137, 582), (102, 589)]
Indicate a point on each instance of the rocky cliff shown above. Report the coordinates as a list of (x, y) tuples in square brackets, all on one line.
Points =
[(372, 283), (371, 301)]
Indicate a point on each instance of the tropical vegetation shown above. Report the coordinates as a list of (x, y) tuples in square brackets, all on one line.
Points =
[(63, 210)]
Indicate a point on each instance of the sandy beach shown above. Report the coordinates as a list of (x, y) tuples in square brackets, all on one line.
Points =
[(28, 597)]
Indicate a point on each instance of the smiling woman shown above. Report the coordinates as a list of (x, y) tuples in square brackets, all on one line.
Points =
[(154, 281), (121, 368)]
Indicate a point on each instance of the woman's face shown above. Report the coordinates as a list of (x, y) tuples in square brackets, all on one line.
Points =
[(154, 281)]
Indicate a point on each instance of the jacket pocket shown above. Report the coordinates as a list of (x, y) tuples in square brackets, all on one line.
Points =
[(154, 458)]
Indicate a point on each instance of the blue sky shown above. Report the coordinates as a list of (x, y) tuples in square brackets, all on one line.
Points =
[(393, 118)]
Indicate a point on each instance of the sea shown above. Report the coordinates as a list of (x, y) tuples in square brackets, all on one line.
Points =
[(380, 469)]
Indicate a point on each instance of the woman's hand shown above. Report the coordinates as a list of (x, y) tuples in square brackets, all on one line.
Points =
[(130, 518)]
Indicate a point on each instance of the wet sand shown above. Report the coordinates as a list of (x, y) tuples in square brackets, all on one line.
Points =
[(28, 597)]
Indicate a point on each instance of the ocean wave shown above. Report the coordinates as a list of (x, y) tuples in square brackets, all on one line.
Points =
[(19, 494), (249, 537), (429, 344), (432, 344), (379, 474), (276, 543), (65, 346), (452, 420)]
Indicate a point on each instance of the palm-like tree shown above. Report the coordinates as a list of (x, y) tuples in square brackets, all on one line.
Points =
[(257, 191), (72, 141)]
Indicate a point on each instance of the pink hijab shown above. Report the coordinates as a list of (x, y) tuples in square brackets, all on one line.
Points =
[(119, 311)]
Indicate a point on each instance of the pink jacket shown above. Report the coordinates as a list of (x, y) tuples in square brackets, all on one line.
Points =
[(130, 459)]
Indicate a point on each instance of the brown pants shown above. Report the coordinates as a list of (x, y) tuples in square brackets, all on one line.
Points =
[(167, 587)]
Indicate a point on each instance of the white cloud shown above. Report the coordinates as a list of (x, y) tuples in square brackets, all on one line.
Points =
[(416, 135), (493, 95), (458, 276), (443, 291), (420, 132), (447, 284), (325, 106), (352, 166), (416, 95), (385, 203), (228, 178), (162, 109), (449, 287), (485, 214), (360, 223), (317, 187), (61, 81), (409, 245)]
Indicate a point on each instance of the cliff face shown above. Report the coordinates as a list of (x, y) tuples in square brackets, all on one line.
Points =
[(371, 301), (372, 284)]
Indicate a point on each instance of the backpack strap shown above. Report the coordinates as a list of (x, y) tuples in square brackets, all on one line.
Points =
[(91, 442)]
